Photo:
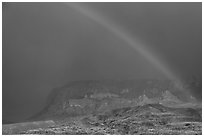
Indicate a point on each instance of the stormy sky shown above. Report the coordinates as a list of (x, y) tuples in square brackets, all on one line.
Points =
[(45, 45)]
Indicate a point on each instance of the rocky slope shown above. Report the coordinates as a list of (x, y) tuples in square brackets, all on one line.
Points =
[(115, 107), (91, 97), (149, 119)]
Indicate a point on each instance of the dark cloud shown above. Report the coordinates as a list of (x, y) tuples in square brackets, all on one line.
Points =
[(48, 44)]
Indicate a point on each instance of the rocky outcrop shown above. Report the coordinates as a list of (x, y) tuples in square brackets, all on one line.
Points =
[(85, 97)]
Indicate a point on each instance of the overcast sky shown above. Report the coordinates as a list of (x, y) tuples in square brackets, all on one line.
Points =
[(48, 44)]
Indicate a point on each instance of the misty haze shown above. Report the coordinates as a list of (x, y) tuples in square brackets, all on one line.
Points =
[(102, 68)]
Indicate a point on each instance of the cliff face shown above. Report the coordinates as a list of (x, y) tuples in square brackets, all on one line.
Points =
[(86, 97)]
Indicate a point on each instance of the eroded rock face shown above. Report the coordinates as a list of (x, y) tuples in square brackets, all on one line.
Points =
[(86, 97), (115, 107)]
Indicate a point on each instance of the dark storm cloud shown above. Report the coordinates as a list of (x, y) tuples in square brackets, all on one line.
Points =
[(48, 44)]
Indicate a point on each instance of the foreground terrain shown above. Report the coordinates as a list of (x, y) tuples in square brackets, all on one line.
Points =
[(116, 107), (147, 119)]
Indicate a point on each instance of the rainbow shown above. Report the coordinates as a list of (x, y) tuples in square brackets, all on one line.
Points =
[(122, 34)]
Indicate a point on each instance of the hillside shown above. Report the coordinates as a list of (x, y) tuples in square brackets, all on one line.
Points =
[(115, 107), (149, 119), (90, 97)]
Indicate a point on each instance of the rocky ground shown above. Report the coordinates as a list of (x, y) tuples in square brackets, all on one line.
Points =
[(150, 119), (116, 107)]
